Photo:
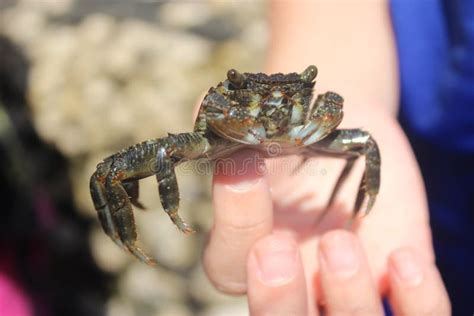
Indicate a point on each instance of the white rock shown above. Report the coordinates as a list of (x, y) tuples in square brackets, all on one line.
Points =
[(96, 29), (173, 310), (151, 285), (52, 7), (160, 237), (118, 306), (183, 14), (237, 308), (203, 291), (107, 255), (23, 25)]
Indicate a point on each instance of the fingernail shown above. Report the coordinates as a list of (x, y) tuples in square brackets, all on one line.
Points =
[(241, 171), (407, 267), (244, 185), (276, 260), (339, 253)]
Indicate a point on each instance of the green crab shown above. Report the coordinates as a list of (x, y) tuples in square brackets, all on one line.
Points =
[(247, 110)]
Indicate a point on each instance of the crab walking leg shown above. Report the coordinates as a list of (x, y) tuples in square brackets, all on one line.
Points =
[(132, 188), (350, 160), (346, 142), (114, 185), (169, 191), (176, 149), (122, 215), (341, 179), (101, 204)]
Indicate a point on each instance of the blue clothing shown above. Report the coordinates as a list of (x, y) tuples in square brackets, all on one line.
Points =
[(435, 42)]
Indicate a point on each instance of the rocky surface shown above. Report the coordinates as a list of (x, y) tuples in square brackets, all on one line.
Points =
[(105, 75)]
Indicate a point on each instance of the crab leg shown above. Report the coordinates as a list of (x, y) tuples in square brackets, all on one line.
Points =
[(132, 188), (122, 213), (169, 191), (114, 185), (101, 204), (342, 177), (351, 143)]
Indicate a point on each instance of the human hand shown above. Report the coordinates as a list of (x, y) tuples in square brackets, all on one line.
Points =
[(255, 203), (276, 282)]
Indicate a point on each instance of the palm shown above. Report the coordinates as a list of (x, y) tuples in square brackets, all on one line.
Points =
[(399, 217)]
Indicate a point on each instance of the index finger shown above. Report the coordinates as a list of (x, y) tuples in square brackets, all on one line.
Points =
[(243, 214)]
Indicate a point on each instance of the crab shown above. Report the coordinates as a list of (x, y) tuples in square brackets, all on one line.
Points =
[(247, 110)]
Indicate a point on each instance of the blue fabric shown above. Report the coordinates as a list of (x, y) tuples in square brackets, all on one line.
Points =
[(435, 42)]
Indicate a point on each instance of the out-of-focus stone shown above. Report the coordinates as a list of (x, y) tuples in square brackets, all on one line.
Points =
[(119, 306), (183, 14), (151, 285), (218, 28), (165, 242), (22, 25), (204, 292), (108, 256), (202, 213), (238, 308), (189, 50), (160, 236), (173, 310), (49, 7), (96, 29), (255, 35)]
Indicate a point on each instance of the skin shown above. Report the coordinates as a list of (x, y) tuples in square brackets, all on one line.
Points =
[(253, 209), (276, 279)]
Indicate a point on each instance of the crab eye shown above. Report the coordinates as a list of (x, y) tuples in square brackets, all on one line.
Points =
[(236, 78), (309, 73)]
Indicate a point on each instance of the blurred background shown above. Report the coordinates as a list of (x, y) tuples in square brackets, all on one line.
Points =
[(80, 80)]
